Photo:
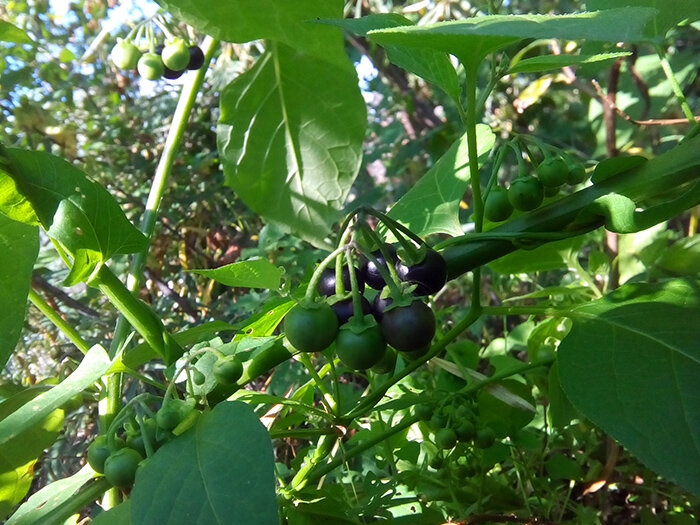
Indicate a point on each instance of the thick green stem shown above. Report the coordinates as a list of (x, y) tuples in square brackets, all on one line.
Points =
[(53, 316)]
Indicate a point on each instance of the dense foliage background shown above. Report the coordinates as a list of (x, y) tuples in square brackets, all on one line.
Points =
[(65, 97)]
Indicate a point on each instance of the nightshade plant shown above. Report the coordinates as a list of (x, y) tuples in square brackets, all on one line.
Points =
[(453, 444)]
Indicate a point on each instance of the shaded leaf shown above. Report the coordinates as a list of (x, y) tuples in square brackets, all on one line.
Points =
[(219, 472), (630, 364), (258, 273), (19, 247), (290, 138), (550, 256), (432, 204)]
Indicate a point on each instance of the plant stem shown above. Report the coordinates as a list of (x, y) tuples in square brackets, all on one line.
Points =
[(327, 398), (53, 316), (185, 104), (367, 403), (359, 449), (666, 66)]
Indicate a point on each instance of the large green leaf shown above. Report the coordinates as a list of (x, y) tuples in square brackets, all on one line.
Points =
[(472, 39), (12, 33), (30, 415), (433, 66), (666, 16), (74, 210), (290, 139), (219, 472), (19, 247), (257, 273), (286, 21), (631, 364), (432, 205), (119, 515), (47, 506), (18, 455)]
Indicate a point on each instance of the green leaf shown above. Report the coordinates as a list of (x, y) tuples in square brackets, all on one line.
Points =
[(631, 365), (474, 38), (290, 138), (18, 455), (19, 247), (550, 256), (683, 257), (666, 16), (549, 62), (12, 33), (258, 273), (432, 205), (433, 66), (286, 21), (220, 470), (41, 506), (75, 211), (119, 515), (94, 364)]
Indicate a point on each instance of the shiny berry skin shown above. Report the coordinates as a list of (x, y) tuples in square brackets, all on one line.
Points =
[(429, 275), (379, 304), (372, 276), (326, 284), (409, 328), (360, 350), (311, 328), (196, 58), (345, 310)]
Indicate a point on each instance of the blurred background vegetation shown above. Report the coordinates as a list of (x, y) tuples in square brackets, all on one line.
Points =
[(65, 97)]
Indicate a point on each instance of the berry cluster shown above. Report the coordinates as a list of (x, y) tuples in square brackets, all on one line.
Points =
[(168, 61), (527, 192), (368, 333)]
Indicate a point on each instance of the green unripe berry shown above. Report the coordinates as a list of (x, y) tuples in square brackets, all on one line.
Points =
[(228, 370), (526, 193), (576, 174), (497, 207), (552, 172), (176, 55), (125, 55), (446, 438), (485, 437), (151, 66)]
